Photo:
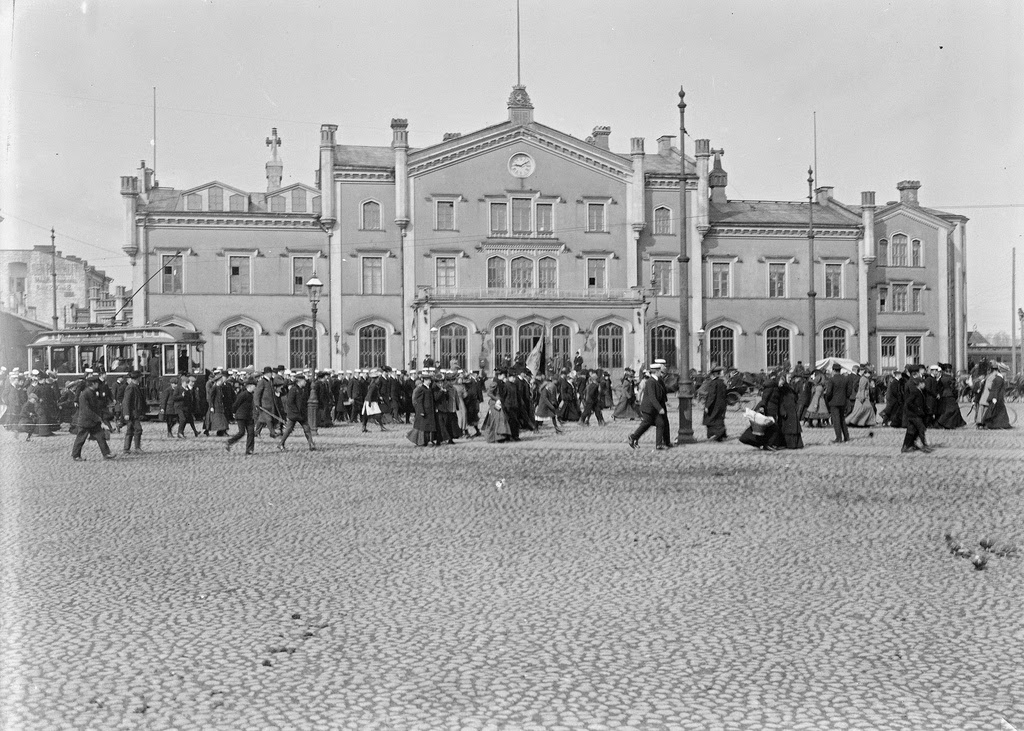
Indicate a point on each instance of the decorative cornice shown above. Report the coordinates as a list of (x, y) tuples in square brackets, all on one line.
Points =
[(191, 220), (662, 181), (460, 253), (507, 135), (781, 232), (366, 176), (525, 246)]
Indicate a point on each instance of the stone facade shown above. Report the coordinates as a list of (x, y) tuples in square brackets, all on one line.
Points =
[(473, 249), (26, 284)]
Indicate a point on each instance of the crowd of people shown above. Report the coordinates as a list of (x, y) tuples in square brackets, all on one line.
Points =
[(442, 405)]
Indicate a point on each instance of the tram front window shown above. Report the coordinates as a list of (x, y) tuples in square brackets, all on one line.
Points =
[(62, 359), (91, 357), (120, 357), (38, 359)]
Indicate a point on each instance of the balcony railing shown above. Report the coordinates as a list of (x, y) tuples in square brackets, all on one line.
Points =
[(510, 293)]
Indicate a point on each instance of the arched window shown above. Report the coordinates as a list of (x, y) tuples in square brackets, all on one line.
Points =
[(371, 215), (915, 253), (301, 344), (776, 342), (522, 273), (898, 251), (496, 273), (560, 345), (662, 221), (502, 346), (722, 347), (547, 273), (239, 345), (833, 342), (663, 344), (373, 346), (452, 346), (528, 336), (883, 253), (609, 346)]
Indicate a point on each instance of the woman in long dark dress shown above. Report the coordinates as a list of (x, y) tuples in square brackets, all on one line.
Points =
[(949, 405), (627, 407), (496, 426), (425, 427), (993, 401), (780, 401), (547, 402)]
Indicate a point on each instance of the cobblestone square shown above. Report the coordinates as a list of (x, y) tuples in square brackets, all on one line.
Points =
[(563, 582)]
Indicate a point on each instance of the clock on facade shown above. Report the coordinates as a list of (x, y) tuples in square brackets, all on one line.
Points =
[(521, 165)]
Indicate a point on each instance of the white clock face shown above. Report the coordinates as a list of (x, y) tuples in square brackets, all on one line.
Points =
[(521, 165)]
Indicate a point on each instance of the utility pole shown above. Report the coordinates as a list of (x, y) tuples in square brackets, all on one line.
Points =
[(685, 435), (53, 273), (812, 322), (1013, 312)]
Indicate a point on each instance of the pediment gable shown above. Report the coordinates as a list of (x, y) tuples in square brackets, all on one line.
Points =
[(913, 213), (453, 151), (294, 186), (228, 189)]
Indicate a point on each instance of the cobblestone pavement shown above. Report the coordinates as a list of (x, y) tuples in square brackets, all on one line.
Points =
[(564, 582)]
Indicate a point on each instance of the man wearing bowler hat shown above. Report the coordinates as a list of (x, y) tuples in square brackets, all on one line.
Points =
[(133, 409), (715, 404)]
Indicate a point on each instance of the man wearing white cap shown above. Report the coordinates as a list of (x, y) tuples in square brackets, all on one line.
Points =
[(653, 405)]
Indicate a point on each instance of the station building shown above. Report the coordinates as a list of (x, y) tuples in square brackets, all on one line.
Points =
[(473, 248)]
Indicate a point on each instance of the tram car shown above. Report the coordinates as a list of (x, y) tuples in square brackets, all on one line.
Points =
[(159, 352)]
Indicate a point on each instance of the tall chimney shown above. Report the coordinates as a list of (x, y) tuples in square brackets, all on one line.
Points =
[(327, 170), (822, 194), (867, 207), (665, 145), (908, 191), (703, 155), (400, 144), (718, 179), (601, 134)]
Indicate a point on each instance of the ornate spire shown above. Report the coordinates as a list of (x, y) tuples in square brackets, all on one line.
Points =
[(520, 109)]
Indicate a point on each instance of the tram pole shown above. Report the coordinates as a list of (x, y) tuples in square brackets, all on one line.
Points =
[(53, 273)]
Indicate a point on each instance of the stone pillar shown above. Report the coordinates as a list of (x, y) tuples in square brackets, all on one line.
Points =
[(867, 256), (703, 155), (130, 246), (328, 224), (637, 205), (406, 241)]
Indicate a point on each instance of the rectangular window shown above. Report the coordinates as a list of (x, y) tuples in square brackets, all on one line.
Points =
[(595, 217), (499, 218), (171, 274), (720, 279), (833, 281), (883, 299), (915, 299), (216, 197), (595, 273), (277, 204), (373, 275), (239, 275), (547, 273), (302, 272), (194, 202), (522, 216), (446, 215), (898, 251), (545, 218), (913, 349), (888, 351), (661, 276), (776, 280), (899, 297), (445, 271), (237, 203), (298, 201)]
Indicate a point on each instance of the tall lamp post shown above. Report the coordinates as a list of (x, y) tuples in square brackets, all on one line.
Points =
[(313, 289), (685, 435)]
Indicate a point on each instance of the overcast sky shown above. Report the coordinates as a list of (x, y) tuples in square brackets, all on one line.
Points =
[(924, 90)]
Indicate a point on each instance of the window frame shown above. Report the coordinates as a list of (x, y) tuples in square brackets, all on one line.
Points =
[(603, 205), (561, 334), (298, 195), (881, 351), (194, 202), (659, 292), (916, 253), (884, 303), (784, 263), (824, 280), (667, 221), (241, 200), (609, 358), (236, 255), (512, 274), (454, 271), (497, 337), (228, 340), (715, 356), (210, 192), (294, 258), (456, 334), (273, 201), (604, 273), (828, 333), (437, 213), (362, 215), (659, 338), (372, 361), (769, 365), (899, 257), (919, 341), (181, 273), (362, 274), (882, 253), (503, 206), (312, 340), (504, 272), (729, 264), (540, 284)]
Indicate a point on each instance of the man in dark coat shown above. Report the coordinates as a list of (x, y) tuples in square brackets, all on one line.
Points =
[(244, 410), (425, 425), (265, 403), (653, 404), (133, 410), (840, 395), (296, 401), (592, 401), (914, 410), (715, 404), (894, 400), (89, 420)]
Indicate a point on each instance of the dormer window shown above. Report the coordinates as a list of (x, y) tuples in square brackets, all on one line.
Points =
[(277, 204), (298, 201), (237, 203), (216, 199), (194, 202)]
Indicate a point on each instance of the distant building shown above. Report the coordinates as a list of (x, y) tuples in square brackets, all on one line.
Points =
[(26, 284), (979, 349), (474, 248), (16, 333)]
